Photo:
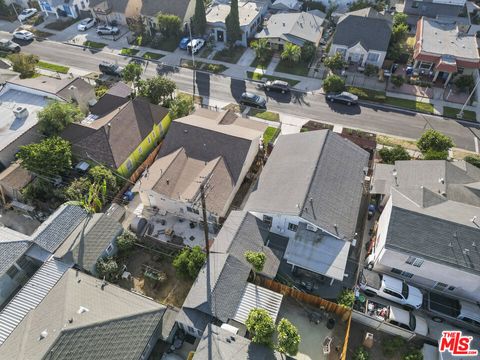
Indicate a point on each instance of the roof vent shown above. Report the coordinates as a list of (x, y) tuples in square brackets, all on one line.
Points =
[(70, 320), (43, 334), (232, 338), (82, 310), (441, 181), (466, 251), (185, 131)]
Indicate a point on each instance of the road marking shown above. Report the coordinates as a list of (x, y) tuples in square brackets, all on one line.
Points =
[(475, 139)]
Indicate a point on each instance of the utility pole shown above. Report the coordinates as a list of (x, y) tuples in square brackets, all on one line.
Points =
[(205, 223), (460, 113), (16, 13), (193, 57)]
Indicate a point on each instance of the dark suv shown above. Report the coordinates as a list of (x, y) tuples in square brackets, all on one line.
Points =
[(253, 100), (110, 69), (277, 85)]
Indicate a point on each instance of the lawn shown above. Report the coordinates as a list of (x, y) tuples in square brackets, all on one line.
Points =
[(230, 55), (152, 56), (256, 63), (259, 76), (270, 135), (94, 45), (53, 67), (129, 51), (452, 112), (367, 94), (410, 104), (300, 68), (264, 114), (200, 65), (169, 44), (392, 141)]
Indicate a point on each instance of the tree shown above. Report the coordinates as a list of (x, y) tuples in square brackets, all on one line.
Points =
[(56, 116), (399, 32), (156, 89), (95, 199), (361, 354), (78, 189), (357, 5), (260, 326), (50, 157), (100, 174), (199, 18), (132, 73), (308, 51), (288, 338), (189, 262), (434, 140), (464, 82), (291, 53), (334, 84), (262, 49), (335, 62), (42, 190), (396, 153), (107, 268), (400, 18), (169, 25), (397, 80), (256, 259), (24, 64), (346, 298), (474, 160), (181, 106), (413, 355), (126, 241), (232, 22), (435, 155)]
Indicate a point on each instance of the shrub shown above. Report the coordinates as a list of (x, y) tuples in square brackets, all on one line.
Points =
[(464, 82), (260, 326), (334, 83), (288, 338), (392, 345), (189, 262), (346, 298), (397, 80), (434, 140), (474, 160), (390, 155), (435, 155), (370, 70), (126, 241), (413, 355), (361, 354), (107, 268)]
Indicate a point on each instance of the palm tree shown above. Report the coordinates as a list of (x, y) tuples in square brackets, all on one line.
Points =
[(262, 49), (291, 53)]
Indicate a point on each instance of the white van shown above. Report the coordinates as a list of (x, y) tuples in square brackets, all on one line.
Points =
[(195, 45)]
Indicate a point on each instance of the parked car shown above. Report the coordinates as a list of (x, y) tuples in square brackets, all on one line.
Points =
[(110, 69), (195, 45), (26, 14), (23, 35), (393, 289), (277, 85), (344, 97), (107, 30), (86, 24), (463, 313), (184, 43), (253, 100), (9, 46)]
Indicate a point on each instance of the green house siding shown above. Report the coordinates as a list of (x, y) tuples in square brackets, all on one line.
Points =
[(145, 147)]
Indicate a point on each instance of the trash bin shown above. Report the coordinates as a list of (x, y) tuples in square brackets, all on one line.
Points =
[(368, 340)]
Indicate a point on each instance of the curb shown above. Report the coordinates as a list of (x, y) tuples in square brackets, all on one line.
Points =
[(96, 50)]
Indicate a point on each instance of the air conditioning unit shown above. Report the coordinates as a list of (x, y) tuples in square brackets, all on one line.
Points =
[(20, 112)]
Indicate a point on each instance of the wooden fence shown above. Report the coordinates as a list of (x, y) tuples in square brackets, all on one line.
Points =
[(347, 335)]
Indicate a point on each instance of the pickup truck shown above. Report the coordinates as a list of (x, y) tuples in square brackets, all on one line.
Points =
[(393, 289), (463, 313)]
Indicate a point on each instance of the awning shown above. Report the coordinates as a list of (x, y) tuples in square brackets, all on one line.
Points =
[(447, 64), (256, 297)]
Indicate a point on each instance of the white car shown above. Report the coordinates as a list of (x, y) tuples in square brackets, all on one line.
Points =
[(27, 13), (23, 35), (86, 24), (407, 320), (195, 45), (393, 289)]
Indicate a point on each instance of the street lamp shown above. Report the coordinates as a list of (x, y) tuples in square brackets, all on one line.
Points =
[(460, 113), (189, 24)]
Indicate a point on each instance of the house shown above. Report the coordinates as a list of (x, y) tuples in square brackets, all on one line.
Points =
[(443, 50), (93, 238), (229, 345), (415, 9), (286, 5), (213, 149), (123, 11), (115, 97), (221, 293), (297, 28), (310, 191), (12, 180), (428, 232), (64, 8), (353, 37), (61, 313), (121, 139), (250, 14)]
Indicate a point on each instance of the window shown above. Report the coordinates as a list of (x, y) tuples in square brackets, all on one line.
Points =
[(415, 5), (460, 70), (412, 260), (267, 220), (12, 272), (140, 150), (192, 210), (425, 65), (373, 57), (392, 293), (440, 286), (129, 164), (109, 249), (292, 227), (402, 273), (149, 139)]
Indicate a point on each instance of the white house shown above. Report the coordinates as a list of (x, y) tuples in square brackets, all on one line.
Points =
[(213, 149), (362, 37), (69, 8), (310, 191), (428, 232)]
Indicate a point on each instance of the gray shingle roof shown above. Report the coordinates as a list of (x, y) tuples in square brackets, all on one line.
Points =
[(317, 175), (10, 252), (53, 232), (353, 29), (242, 232)]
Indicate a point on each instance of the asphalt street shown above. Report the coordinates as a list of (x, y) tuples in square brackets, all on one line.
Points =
[(312, 106)]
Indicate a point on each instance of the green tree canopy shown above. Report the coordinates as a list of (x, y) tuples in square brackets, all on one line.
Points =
[(260, 325), (232, 22), (256, 259), (199, 18), (288, 338), (435, 155), (346, 298), (181, 106), (126, 241), (474, 160), (390, 155), (361, 354), (107, 268), (78, 189), (169, 25), (433, 140), (189, 262), (464, 82), (335, 62), (262, 49), (308, 51), (96, 198), (132, 73), (156, 89), (291, 53), (50, 157), (400, 18), (54, 117), (334, 84), (24, 64), (99, 174)]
